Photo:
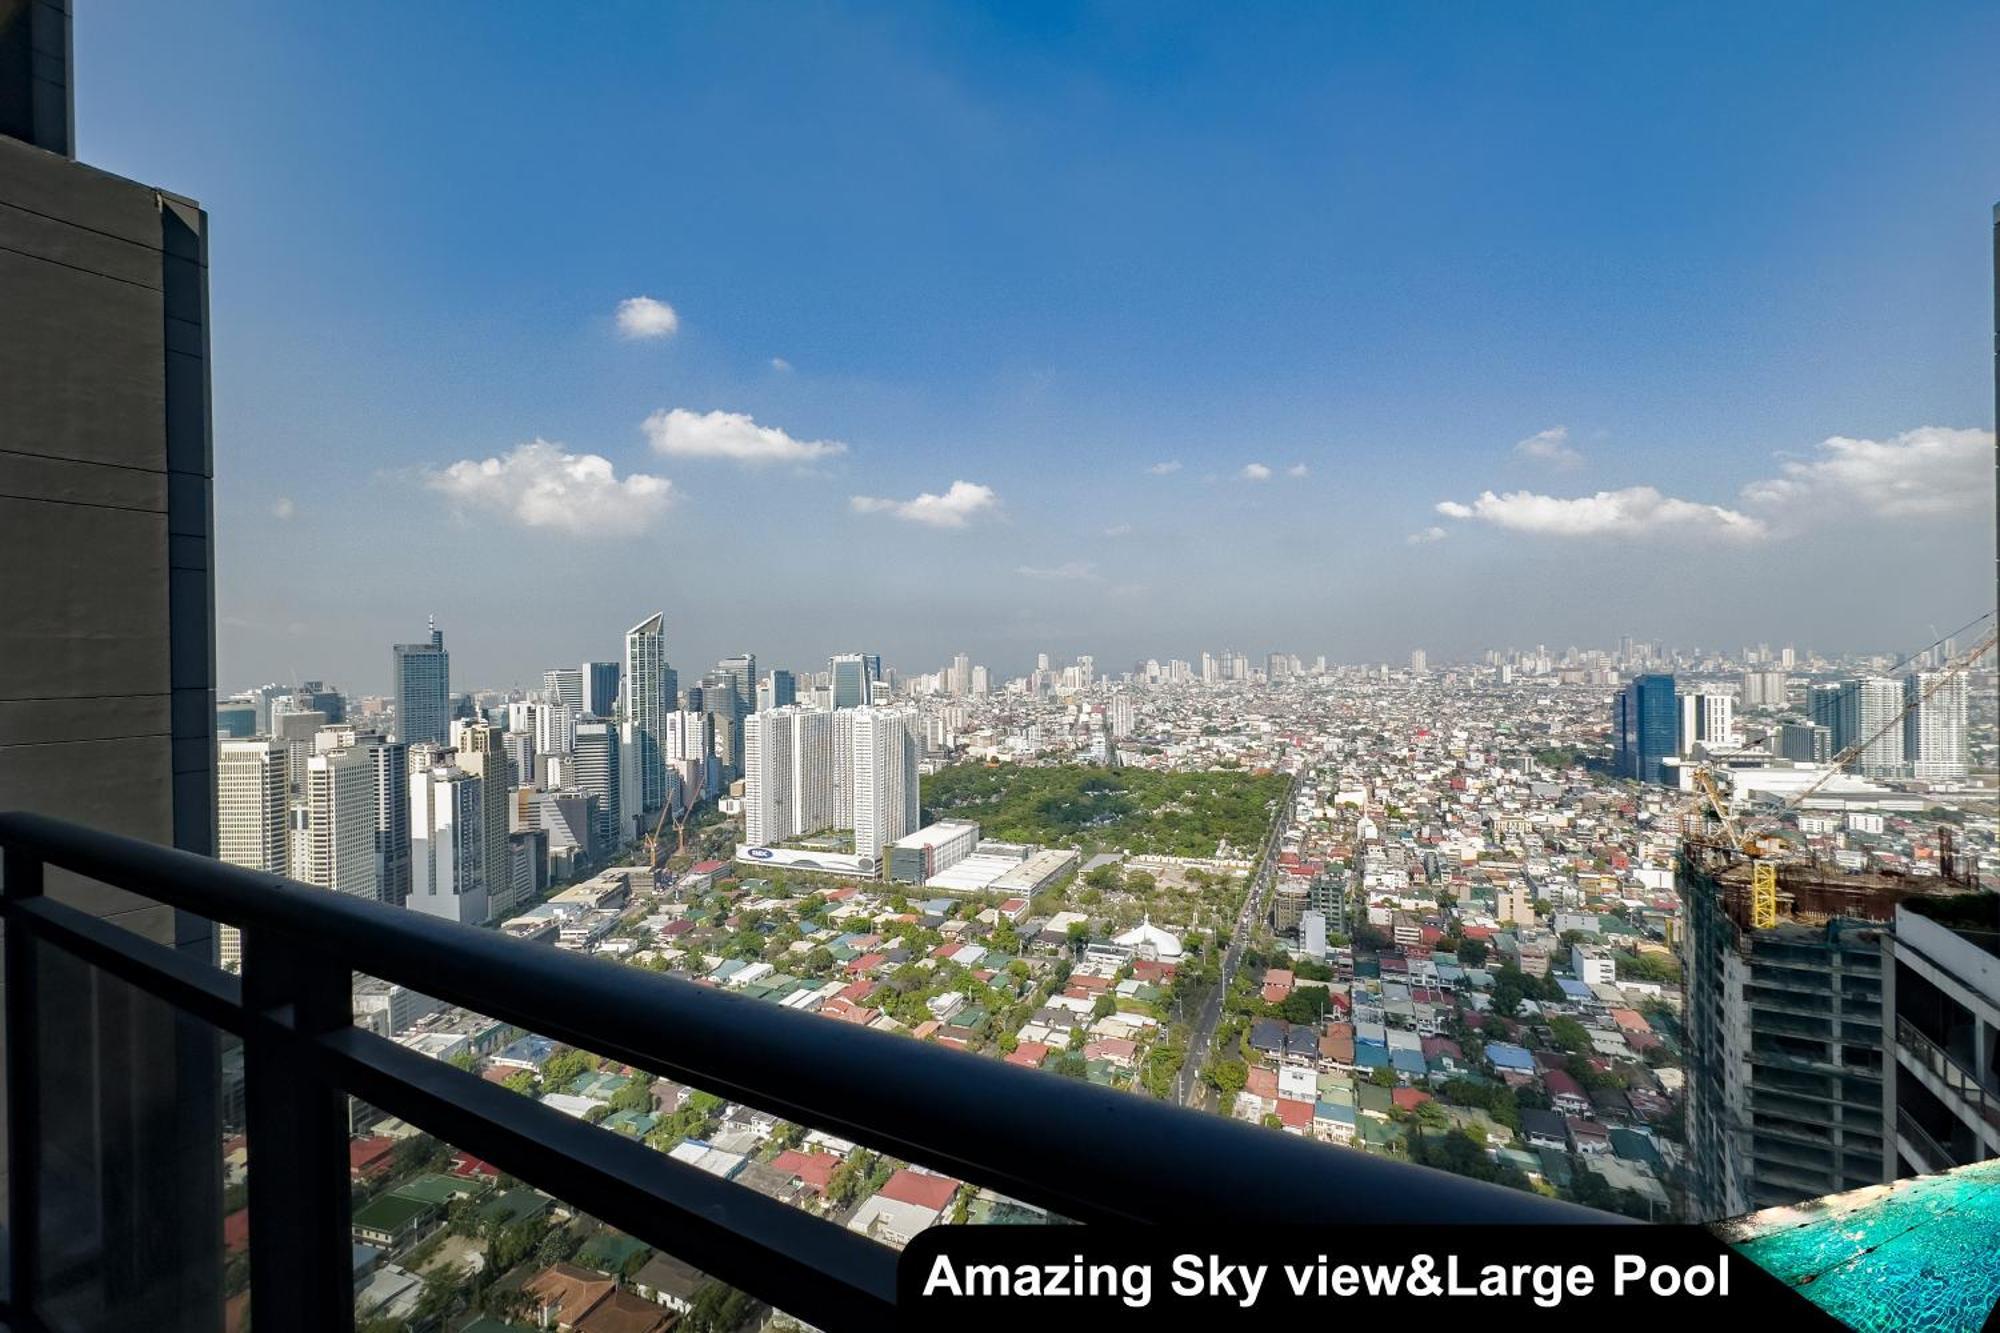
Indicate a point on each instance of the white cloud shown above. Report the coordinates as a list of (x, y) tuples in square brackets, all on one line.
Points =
[(680, 433), (782, 366), (1119, 530), (1928, 472), (1069, 572), (1427, 535), (643, 317), (1164, 469), (960, 504), (1255, 472), (1550, 446), (1297, 470), (1636, 511), (283, 507), (543, 485)]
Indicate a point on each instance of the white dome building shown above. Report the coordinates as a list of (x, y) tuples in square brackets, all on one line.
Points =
[(1150, 943)]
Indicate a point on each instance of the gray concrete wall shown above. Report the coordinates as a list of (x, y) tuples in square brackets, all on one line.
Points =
[(107, 686), (107, 715)]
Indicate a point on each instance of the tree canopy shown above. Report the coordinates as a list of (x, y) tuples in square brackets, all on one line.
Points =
[(1139, 810)]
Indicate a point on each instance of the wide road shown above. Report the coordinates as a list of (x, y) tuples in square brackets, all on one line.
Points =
[(1189, 1090)]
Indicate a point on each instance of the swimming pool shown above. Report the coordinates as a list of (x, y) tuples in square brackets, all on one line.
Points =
[(1922, 1253)]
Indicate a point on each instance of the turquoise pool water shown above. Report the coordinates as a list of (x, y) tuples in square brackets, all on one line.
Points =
[(1918, 1254)]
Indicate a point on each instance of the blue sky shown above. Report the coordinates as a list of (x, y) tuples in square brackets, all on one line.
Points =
[(1626, 268)]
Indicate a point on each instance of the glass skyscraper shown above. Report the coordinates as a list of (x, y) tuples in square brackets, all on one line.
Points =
[(1645, 727), (423, 691), (600, 688), (649, 697), (852, 677)]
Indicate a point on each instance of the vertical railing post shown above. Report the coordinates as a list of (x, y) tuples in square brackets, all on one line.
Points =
[(23, 879), (301, 1256)]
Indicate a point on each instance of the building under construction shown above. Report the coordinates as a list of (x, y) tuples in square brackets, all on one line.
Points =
[(1785, 1027)]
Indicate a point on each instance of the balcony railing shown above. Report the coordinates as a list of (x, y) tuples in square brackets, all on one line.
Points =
[(1962, 1082), (1936, 1156), (1086, 1153)]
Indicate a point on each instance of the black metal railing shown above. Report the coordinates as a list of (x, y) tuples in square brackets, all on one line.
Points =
[(1086, 1153), (1945, 1067), (1936, 1156)]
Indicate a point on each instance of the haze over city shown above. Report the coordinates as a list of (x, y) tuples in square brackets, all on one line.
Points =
[(1137, 336)]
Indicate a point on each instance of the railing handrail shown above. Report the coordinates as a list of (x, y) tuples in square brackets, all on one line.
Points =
[(1087, 1153), (1942, 1158), (1951, 1070), (1090, 1153)]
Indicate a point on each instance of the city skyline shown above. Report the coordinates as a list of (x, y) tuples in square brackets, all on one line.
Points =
[(1632, 652), (1265, 375), (661, 892)]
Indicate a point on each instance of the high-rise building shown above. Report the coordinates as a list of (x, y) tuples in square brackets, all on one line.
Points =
[(252, 816), (851, 678), (567, 819), (1419, 661), (738, 678), (564, 685), (555, 728), (388, 764), (423, 690), (236, 719), (332, 841), (520, 748), (691, 756), (1942, 986), (740, 672), (649, 688), (600, 688), (1707, 719), (106, 577), (884, 748), (1936, 743), (597, 774), (481, 754), (631, 782), (447, 852), (780, 689), (1764, 689), (1805, 742), (252, 805), (770, 798), (1787, 1041), (1644, 727), (391, 762), (1865, 713), (789, 786)]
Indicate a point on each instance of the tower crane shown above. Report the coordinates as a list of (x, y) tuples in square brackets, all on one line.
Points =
[(652, 843), (1750, 840)]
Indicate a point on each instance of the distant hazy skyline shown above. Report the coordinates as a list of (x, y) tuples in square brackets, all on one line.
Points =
[(467, 677), (1121, 329)]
